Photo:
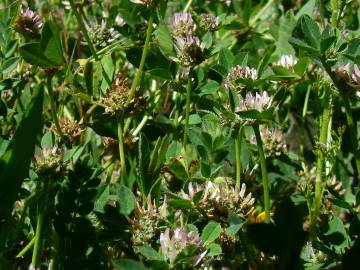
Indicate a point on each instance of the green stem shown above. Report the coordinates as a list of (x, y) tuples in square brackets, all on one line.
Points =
[(238, 137), (53, 106), (261, 12), (320, 164), (141, 125), (142, 62), (265, 178), (83, 29), (26, 248), (344, 89), (187, 110), (188, 4), (353, 133), (121, 148), (36, 256)]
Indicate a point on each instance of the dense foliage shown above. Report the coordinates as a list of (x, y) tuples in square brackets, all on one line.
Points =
[(154, 134)]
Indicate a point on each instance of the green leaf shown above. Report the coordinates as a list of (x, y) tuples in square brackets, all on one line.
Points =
[(33, 54), (51, 44), (302, 45), (15, 162), (127, 264), (126, 200), (161, 73), (214, 250), (9, 64), (149, 253), (211, 232), (226, 58), (164, 40), (233, 229), (311, 31), (209, 88), (180, 203), (301, 66)]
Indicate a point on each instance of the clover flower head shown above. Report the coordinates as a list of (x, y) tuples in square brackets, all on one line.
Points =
[(273, 140), (101, 36), (144, 225), (173, 242), (148, 3), (115, 99), (356, 74), (237, 73), (259, 102), (209, 22), (28, 22), (48, 162), (221, 198), (193, 188), (189, 50), (287, 61), (119, 20), (183, 24), (70, 128)]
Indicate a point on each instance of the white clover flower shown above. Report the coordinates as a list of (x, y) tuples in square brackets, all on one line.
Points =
[(287, 61), (192, 190), (172, 243), (119, 20), (28, 22), (209, 22), (146, 2), (189, 50), (237, 73), (273, 140), (259, 102), (183, 25), (355, 76)]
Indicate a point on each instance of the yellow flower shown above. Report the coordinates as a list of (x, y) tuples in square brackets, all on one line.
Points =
[(253, 218)]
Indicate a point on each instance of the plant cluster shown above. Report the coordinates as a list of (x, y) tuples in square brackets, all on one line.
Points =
[(192, 134)]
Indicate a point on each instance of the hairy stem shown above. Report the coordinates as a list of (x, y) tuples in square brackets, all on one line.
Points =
[(265, 178), (83, 29), (187, 110), (320, 164), (26, 248), (238, 137), (36, 256), (121, 148), (142, 61), (53, 106)]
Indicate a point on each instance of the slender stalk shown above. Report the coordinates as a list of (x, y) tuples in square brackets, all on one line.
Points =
[(121, 148), (320, 164), (26, 248), (188, 4), (344, 90), (142, 61), (261, 12), (187, 111), (83, 29), (141, 125), (36, 256), (53, 106), (238, 137), (265, 178)]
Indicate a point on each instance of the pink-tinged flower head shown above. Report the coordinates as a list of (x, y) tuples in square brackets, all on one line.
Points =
[(28, 23), (183, 25), (259, 102), (239, 73)]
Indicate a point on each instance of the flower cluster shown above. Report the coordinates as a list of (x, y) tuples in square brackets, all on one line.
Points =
[(219, 199), (259, 102), (189, 50), (273, 140), (148, 3), (101, 36), (183, 25), (144, 225), (239, 73), (70, 128), (209, 22), (28, 23), (48, 162), (287, 61), (173, 243)]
